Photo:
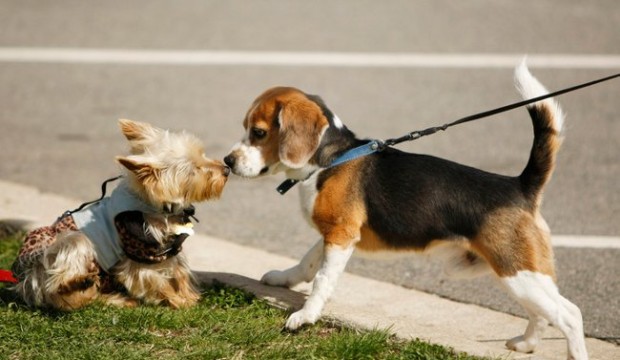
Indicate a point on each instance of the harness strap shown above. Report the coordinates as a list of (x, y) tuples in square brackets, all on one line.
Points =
[(103, 191), (366, 149), (360, 151)]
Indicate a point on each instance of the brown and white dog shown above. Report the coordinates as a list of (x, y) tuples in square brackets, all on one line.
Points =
[(403, 202)]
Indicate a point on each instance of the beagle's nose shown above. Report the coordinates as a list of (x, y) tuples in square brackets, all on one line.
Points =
[(230, 161)]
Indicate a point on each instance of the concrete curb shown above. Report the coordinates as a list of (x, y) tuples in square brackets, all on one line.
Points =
[(357, 301)]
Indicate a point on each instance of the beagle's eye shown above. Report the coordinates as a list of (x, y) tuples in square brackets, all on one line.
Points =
[(258, 133)]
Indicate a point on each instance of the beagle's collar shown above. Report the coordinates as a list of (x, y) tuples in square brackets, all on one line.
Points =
[(358, 152)]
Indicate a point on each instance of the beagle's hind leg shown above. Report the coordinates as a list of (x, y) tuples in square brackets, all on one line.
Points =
[(517, 245), (539, 295), (527, 342)]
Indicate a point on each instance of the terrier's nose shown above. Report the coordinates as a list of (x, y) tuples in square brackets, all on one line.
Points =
[(229, 160)]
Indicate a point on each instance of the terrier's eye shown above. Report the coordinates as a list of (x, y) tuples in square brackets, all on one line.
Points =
[(258, 133)]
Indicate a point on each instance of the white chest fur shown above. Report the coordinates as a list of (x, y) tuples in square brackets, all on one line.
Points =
[(307, 196)]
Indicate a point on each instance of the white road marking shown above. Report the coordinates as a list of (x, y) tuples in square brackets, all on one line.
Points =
[(335, 59), (315, 59), (586, 241)]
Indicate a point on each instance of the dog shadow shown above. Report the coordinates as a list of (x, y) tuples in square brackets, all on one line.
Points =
[(280, 297)]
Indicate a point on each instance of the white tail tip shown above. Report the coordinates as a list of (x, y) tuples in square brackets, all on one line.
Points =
[(529, 87)]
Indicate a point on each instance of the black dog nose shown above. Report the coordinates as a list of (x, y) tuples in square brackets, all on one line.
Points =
[(230, 161)]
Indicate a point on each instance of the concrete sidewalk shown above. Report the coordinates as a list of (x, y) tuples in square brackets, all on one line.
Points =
[(357, 301)]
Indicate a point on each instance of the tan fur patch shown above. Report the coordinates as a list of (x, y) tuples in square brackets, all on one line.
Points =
[(511, 241), (370, 241), (338, 209), (169, 282), (301, 125), (138, 134)]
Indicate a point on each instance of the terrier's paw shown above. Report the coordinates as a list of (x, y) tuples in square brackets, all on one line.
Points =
[(275, 278), (521, 344), (79, 283), (300, 318)]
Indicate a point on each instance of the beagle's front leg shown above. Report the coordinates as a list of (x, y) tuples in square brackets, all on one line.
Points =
[(335, 259), (304, 271)]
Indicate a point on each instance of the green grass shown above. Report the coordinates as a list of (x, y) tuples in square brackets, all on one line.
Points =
[(227, 324)]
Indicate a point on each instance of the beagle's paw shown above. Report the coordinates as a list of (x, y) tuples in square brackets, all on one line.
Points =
[(301, 317), (521, 344), (276, 278)]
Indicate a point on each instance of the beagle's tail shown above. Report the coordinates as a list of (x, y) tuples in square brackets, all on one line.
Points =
[(547, 120)]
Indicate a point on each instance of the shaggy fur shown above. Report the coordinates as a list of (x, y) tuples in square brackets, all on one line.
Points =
[(167, 172)]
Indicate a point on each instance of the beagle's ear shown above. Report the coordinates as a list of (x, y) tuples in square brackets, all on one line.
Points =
[(139, 134), (302, 125)]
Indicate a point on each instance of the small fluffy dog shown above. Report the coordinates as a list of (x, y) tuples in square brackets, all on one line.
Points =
[(125, 248), (402, 202)]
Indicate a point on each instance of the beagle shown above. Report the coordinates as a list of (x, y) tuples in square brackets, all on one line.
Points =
[(395, 201)]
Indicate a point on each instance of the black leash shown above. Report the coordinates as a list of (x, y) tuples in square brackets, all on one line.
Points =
[(103, 191), (419, 133), (378, 145)]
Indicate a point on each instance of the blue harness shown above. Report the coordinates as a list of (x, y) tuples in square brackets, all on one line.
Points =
[(358, 152)]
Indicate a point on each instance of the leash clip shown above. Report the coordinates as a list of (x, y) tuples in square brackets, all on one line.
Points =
[(188, 213), (378, 145)]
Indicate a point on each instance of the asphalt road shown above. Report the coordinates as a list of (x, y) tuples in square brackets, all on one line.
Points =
[(58, 127)]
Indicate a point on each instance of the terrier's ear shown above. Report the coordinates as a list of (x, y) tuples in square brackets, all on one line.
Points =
[(302, 124), (139, 134), (141, 168)]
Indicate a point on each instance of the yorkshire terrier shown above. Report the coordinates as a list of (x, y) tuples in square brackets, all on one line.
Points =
[(125, 249)]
